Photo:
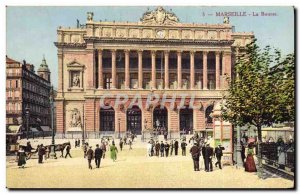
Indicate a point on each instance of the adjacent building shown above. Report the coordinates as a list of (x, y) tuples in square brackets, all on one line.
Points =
[(26, 90), (157, 55)]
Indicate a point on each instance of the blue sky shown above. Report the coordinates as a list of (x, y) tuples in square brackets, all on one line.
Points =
[(31, 31)]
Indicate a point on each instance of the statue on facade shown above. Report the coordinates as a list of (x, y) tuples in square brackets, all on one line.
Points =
[(226, 20), (75, 118), (90, 16), (159, 16), (76, 81)]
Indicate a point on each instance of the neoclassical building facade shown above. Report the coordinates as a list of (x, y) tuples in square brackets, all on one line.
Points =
[(159, 56)]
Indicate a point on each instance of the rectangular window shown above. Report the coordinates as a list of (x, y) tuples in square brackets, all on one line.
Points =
[(17, 84)]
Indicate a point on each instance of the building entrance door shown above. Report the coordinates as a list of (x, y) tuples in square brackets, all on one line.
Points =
[(186, 120), (134, 120), (107, 119), (160, 119)]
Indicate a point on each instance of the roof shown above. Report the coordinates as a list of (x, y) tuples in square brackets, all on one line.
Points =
[(9, 60)]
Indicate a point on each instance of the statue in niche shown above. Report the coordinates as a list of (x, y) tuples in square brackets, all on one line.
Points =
[(76, 81), (75, 118)]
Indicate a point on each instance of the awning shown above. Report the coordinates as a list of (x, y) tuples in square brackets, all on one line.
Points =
[(14, 128), (46, 128)]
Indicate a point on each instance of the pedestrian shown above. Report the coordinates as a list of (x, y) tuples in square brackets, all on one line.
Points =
[(41, 152), (195, 152), (78, 142), (47, 151), (121, 144), (103, 148), (157, 147), (250, 164), (208, 153), (21, 158), (149, 147), (98, 156), (28, 150), (183, 148), (75, 143), (171, 147), (162, 149), (125, 140), (243, 153), (219, 154), (85, 148), (68, 148), (113, 152), (130, 144), (176, 145), (167, 147), (90, 157)]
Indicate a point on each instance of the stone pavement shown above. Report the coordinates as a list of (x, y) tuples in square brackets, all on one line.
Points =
[(133, 169)]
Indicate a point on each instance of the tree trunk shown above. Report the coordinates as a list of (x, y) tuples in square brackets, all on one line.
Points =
[(258, 146)]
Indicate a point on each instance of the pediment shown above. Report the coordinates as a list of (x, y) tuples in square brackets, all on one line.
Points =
[(74, 63)]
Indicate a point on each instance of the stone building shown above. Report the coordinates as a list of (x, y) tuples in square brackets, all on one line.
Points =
[(24, 88), (156, 56)]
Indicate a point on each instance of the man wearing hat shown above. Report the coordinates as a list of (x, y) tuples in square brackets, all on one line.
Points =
[(167, 147), (162, 149), (219, 154), (195, 152), (207, 154), (183, 148), (90, 157), (98, 156)]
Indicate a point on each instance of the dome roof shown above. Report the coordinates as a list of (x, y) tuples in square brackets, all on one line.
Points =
[(43, 66)]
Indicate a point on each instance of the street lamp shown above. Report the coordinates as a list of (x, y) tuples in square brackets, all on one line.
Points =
[(27, 120), (119, 121), (239, 162), (52, 150)]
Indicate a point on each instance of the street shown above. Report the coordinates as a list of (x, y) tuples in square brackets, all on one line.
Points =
[(133, 169)]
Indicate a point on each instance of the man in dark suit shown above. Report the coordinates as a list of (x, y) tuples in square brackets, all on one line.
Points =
[(90, 157), (195, 152), (183, 148), (68, 148), (208, 154), (176, 145), (162, 149), (98, 156), (167, 147), (41, 152), (157, 147), (219, 154)]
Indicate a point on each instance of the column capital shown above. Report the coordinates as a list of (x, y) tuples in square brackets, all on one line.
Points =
[(140, 51), (113, 50), (179, 52), (153, 52), (227, 52), (166, 52), (126, 51), (217, 52), (192, 52), (205, 52)]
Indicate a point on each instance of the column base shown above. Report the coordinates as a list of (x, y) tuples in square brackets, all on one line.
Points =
[(100, 88), (127, 88), (205, 89)]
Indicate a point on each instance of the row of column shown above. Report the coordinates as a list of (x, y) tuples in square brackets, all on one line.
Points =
[(226, 68)]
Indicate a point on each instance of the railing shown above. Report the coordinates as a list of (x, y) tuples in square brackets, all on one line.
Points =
[(280, 156)]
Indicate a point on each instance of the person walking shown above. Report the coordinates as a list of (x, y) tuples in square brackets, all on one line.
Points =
[(208, 158), (130, 144), (121, 144), (103, 148), (162, 149), (113, 152), (41, 152), (157, 147), (176, 145), (167, 148), (21, 158), (171, 147), (90, 157), (98, 156), (183, 148), (149, 147), (85, 148), (68, 148), (78, 142), (75, 143), (219, 154), (195, 152), (250, 164)]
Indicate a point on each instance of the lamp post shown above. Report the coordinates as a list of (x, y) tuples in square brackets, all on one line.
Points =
[(239, 148), (52, 150), (119, 121), (27, 120)]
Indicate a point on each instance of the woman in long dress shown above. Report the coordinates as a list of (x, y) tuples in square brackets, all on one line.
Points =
[(250, 164), (113, 152), (21, 158)]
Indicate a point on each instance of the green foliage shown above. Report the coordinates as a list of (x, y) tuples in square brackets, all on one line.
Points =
[(263, 91)]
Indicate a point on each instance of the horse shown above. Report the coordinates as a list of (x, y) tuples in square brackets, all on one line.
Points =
[(58, 147), (28, 150)]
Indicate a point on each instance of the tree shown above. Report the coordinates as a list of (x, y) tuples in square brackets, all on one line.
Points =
[(263, 91)]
